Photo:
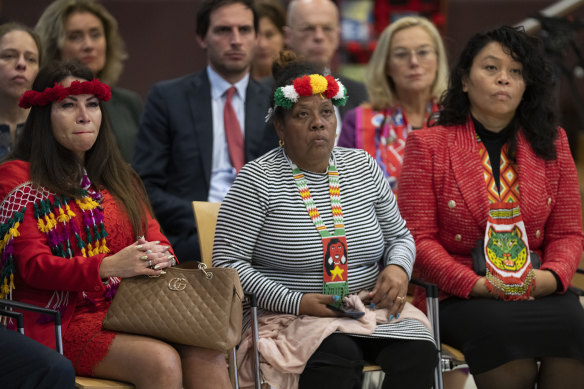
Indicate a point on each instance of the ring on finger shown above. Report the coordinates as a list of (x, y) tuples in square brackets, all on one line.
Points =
[(400, 299), (173, 262), (149, 263)]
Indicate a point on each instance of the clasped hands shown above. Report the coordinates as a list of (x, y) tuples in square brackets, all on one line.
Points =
[(545, 284), (389, 292), (140, 258)]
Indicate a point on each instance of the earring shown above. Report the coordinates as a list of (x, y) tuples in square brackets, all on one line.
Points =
[(281, 142)]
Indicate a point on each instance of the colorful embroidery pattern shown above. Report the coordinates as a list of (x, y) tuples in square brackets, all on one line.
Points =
[(509, 275), (508, 179), (55, 220), (8, 231), (383, 135)]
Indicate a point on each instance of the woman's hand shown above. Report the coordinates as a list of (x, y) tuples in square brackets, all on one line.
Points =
[(545, 283), (314, 304), (140, 258), (391, 289), (480, 290)]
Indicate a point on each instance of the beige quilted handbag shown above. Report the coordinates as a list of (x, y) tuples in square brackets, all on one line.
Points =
[(187, 305)]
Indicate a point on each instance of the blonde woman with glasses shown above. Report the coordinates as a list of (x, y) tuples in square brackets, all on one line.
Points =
[(405, 77)]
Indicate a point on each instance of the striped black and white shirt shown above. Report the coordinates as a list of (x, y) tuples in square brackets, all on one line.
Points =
[(264, 231)]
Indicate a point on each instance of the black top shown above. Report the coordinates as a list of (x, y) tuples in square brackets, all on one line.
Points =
[(494, 142), (6, 145)]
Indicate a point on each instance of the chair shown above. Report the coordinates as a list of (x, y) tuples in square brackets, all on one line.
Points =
[(206, 218), (6, 307), (99, 383)]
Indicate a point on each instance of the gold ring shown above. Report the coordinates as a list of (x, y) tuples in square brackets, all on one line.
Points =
[(400, 299)]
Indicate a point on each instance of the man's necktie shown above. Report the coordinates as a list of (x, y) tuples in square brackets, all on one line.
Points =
[(233, 133)]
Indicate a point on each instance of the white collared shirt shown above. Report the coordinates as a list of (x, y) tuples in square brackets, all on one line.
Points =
[(222, 171)]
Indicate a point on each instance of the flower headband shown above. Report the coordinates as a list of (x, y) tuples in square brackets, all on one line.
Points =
[(328, 86), (59, 92)]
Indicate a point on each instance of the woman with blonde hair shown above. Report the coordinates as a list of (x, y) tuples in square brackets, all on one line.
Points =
[(84, 30), (405, 77)]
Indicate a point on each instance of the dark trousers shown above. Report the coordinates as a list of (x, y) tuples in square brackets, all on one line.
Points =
[(339, 361), (25, 363)]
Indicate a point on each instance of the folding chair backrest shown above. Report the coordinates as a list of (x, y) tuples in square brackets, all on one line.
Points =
[(206, 217)]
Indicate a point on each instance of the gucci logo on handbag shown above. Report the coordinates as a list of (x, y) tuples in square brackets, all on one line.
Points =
[(177, 284)]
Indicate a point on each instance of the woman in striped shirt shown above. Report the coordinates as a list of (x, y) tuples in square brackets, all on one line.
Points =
[(276, 228)]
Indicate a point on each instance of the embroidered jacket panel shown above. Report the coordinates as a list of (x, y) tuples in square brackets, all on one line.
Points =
[(443, 198), (264, 231), (39, 273)]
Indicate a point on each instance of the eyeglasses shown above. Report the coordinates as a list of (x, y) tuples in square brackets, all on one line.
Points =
[(422, 54)]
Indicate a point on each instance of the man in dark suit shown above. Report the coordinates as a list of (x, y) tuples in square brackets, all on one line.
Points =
[(313, 32), (182, 151)]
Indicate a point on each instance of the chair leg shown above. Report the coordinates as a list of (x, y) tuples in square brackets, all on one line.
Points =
[(255, 338), (233, 375)]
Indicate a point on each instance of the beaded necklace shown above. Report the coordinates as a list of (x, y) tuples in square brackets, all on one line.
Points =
[(335, 257)]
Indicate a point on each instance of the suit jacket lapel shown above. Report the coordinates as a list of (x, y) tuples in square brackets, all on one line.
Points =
[(468, 171), (199, 98), (255, 112)]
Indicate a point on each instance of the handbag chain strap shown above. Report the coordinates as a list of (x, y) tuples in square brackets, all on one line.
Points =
[(202, 268)]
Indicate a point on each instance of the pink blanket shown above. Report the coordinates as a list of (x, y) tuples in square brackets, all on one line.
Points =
[(287, 341)]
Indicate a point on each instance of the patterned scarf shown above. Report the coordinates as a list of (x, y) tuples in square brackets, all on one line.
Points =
[(384, 135), (509, 275)]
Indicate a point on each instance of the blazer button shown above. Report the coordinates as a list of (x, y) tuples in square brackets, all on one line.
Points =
[(457, 237), (537, 234), (452, 204), (549, 200)]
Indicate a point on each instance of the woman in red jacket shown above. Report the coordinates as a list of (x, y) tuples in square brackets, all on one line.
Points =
[(491, 197), (74, 220)]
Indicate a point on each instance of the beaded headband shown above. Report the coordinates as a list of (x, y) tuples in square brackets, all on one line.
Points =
[(59, 92), (329, 87)]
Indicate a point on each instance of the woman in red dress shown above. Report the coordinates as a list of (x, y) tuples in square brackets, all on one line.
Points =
[(74, 221)]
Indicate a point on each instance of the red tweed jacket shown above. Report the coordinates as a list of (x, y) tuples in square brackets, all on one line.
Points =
[(443, 198)]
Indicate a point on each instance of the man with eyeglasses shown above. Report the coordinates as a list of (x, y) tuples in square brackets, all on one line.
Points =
[(313, 33)]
